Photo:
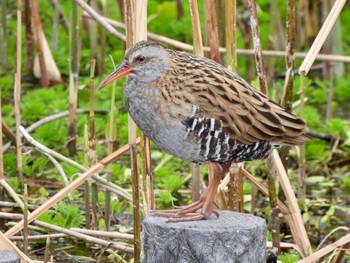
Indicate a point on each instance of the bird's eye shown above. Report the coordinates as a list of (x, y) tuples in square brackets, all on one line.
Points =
[(141, 58)]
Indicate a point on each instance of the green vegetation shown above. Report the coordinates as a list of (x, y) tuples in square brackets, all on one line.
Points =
[(327, 161)]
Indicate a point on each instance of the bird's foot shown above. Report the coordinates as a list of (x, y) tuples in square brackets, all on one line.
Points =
[(193, 212)]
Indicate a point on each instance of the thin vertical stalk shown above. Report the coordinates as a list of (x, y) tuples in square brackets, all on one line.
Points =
[(17, 90), (25, 220), (93, 31), (198, 44), (101, 64), (231, 45), (73, 78), (136, 30), (197, 35), (111, 135), (302, 156), (212, 30), (260, 67), (290, 46), (56, 21), (87, 183), (47, 249), (179, 9), (92, 141), (62, 18), (2, 176), (236, 181), (3, 36), (147, 175), (247, 42), (29, 37), (44, 77)]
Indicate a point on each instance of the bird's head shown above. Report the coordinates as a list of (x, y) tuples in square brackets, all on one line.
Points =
[(144, 61)]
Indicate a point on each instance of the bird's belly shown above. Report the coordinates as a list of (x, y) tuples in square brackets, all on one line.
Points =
[(167, 133)]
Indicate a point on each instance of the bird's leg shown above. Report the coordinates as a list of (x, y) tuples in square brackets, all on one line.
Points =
[(204, 207)]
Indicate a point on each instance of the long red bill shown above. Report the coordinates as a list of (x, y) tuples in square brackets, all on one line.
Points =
[(121, 71)]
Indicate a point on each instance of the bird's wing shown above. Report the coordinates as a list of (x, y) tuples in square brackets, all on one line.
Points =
[(246, 114)]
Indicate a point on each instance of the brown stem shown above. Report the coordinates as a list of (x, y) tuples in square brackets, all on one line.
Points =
[(212, 30)]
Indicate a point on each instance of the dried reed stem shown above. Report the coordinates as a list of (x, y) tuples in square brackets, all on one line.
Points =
[(197, 35), (136, 30), (74, 40), (321, 36), (231, 45), (212, 30), (25, 220), (301, 238), (260, 67), (290, 46), (198, 49), (17, 91)]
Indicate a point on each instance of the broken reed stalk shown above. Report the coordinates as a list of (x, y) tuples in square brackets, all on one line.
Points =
[(147, 175), (236, 202), (300, 234), (74, 40), (3, 36), (321, 36), (198, 49), (212, 30), (17, 91), (260, 67), (287, 100), (72, 186), (29, 37), (44, 77)]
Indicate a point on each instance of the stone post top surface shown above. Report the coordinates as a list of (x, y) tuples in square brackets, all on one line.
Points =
[(227, 220)]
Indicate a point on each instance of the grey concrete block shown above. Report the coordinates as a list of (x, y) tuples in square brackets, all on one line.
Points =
[(232, 238), (8, 256)]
